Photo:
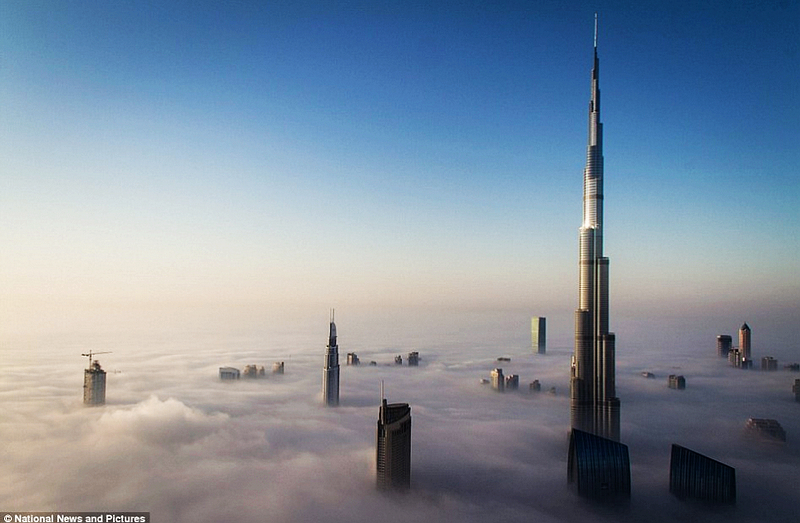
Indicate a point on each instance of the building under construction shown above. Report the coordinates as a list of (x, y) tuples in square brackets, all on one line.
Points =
[(94, 384)]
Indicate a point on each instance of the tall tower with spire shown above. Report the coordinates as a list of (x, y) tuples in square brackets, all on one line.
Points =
[(594, 406), (330, 370)]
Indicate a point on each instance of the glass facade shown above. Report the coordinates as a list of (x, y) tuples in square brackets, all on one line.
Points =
[(598, 468), (694, 476)]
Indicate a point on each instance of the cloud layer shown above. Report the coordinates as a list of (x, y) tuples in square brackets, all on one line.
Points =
[(177, 442)]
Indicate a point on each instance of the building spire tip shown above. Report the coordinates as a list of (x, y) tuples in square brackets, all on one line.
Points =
[(595, 30)]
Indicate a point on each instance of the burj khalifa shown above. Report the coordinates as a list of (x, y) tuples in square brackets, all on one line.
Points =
[(594, 406)]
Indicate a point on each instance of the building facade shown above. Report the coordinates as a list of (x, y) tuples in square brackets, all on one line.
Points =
[(539, 335), (594, 406), (330, 370), (393, 446)]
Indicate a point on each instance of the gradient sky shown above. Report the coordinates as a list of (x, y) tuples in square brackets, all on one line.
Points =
[(167, 156)]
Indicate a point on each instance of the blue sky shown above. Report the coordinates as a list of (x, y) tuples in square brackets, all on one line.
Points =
[(358, 154)]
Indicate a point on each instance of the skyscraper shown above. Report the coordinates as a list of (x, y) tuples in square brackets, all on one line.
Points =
[(498, 380), (695, 476), (723, 345), (330, 371), (94, 384), (538, 334), (594, 407), (394, 446), (598, 468), (744, 342)]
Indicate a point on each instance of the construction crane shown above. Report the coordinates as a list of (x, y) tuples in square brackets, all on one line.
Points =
[(90, 354)]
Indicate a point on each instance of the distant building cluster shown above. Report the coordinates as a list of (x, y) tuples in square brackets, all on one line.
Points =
[(739, 357), (676, 382), (502, 383), (254, 371), (648, 375), (412, 359), (249, 372), (767, 429), (769, 363)]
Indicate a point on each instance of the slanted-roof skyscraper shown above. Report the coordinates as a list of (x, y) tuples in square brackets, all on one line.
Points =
[(744, 341), (330, 371), (594, 404), (393, 446), (695, 476)]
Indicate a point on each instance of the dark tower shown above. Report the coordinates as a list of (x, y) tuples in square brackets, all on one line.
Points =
[(594, 406), (394, 446), (724, 343)]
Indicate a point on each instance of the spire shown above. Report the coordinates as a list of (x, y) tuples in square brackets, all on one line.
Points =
[(595, 33)]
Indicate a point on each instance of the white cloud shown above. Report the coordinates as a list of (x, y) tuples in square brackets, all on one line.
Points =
[(176, 441)]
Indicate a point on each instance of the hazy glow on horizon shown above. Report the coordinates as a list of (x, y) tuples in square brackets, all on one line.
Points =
[(393, 156), (313, 155)]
